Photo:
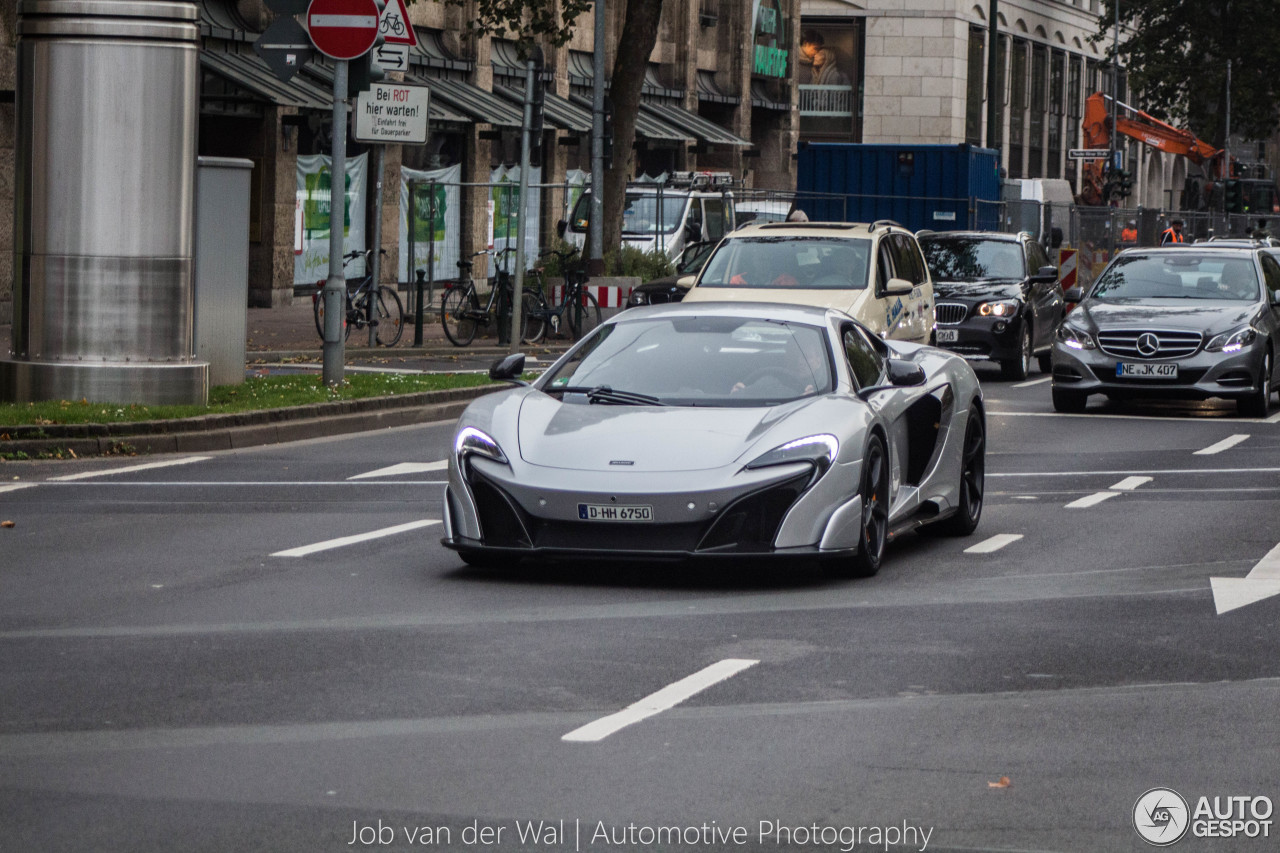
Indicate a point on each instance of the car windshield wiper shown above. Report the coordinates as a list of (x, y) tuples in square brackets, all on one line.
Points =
[(608, 396)]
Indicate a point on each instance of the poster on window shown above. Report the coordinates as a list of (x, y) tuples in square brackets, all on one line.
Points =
[(505, 196), (312, 264), (437, 192)]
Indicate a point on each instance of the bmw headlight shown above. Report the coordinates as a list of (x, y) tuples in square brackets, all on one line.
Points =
[(1003, 308), (1233, 341), (639, 297), (819, 450), (1075, 338), (471, 441)]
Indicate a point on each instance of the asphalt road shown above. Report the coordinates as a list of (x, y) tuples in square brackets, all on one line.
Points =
[(190, 661)]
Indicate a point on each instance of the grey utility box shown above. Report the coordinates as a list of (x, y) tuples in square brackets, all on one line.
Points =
[(222, 266)]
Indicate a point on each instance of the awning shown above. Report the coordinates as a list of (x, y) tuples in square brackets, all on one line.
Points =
[(648, 125), (559, 112), (432, 53), (472, 101), (760, 97), (709, 91), (701, 128), (246, 70)]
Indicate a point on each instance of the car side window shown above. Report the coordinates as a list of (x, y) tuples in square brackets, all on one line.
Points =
[(884, 264), (1271, 272), (907, 259), (865, 360), (1036, 258), (713, 216)]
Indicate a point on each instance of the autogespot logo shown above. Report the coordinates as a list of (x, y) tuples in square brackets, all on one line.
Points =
[(1160, 817)]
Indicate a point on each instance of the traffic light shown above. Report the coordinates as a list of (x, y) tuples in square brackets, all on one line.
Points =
[(1125, 186), (1234, 197), (537, 103), (364, 71), (606, 141)]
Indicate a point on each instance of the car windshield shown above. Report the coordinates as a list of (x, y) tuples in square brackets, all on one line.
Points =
[(817, 263), (699, 361), (1182, 275), (972, 258), (645, 213)]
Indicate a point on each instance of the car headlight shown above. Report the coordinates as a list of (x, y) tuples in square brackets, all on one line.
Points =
[(1233, 341), (1003, 308), (819, 450), (639, 297), (1074, 338), (470, 441)]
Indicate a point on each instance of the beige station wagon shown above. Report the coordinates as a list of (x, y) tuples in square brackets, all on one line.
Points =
[(873, 272)]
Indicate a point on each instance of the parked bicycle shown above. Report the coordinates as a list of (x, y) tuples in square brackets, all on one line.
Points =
[(388, 316), (578, 310), (461, 312)]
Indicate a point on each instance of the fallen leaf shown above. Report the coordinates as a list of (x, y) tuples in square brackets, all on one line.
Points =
[(6, 524), (1003, 783)]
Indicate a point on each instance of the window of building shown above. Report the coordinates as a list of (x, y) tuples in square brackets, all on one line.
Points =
[(1075, 111), (974, 102), (1057, 103), (1039, 110), (1017, 107)]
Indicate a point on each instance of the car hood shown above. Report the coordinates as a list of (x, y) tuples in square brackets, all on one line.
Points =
[(1196, 315), (587, 437), (993, 289)]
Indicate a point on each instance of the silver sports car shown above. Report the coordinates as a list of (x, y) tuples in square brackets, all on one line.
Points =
[(719, 429)]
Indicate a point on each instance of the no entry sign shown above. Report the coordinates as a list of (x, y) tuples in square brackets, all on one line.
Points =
[(343, 29)]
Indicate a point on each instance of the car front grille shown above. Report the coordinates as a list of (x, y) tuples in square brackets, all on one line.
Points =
[(1149, 343), (951, 313)]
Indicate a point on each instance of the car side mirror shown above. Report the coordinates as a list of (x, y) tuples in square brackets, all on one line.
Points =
[(905, 374), (898, 287), (686, 281), (561, 227), (1074, 294), (508, 369), (1046, 273)]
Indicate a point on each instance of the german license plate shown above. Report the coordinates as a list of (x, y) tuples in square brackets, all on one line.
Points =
[(1129, 370), (948, 336), (613, 512)]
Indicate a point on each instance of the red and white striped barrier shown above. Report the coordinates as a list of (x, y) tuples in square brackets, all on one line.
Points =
[(608, 296)]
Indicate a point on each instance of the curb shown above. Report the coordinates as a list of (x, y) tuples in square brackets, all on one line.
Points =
[(245, 429)]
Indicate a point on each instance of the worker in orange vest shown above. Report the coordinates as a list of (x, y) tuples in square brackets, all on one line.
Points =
[(1172, 234), (1129, 234)]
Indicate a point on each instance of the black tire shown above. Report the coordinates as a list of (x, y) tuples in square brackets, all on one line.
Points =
[(317, 308), (583, 322), (532, 327), (874, 491), (1018, 368), (1045, 363), (1258, 404), (390, 317), (973, 478), (1069, 401), (460, 330)]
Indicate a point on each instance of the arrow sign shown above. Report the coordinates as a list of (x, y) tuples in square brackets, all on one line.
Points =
[(285, 47), (343, 29), (1263, 581), (392, 57)]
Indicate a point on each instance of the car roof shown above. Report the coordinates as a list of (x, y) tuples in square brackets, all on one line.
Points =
[(811, 315), (1203, 248), (1002, 236), (837, 230)]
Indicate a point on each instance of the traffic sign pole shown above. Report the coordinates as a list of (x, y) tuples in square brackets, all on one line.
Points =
[(334, 293)]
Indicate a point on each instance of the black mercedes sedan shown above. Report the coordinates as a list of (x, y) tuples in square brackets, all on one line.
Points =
[(1190, 322), (997, 297)]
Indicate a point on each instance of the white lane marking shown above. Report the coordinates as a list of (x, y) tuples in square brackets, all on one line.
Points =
[(13, 487), (84, 475), (206, 484), (352, 540), (1091, 500), (1031, 382), (1263, 581), (1225, 444), (1274, 419), (995, 543), (404, 468), (1093, 416), (1156, 471), (1128, 484), (655, 703)]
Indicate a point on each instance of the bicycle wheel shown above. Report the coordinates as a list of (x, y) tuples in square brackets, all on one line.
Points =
[(390, 317), (458, 328), (533, 318), (318, 309), (584, 317)]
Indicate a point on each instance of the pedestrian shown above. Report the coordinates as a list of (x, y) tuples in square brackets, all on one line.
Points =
[(1261, 232), (1172, 234), (1129, 234)]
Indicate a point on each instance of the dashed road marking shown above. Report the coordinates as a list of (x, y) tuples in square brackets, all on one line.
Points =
[(1091, 500), (13, 487), (655, 703), (1225, 444), (1128, 484), (353, 540), (995, 543), (84, 475), (404, 468), (1031, 382)]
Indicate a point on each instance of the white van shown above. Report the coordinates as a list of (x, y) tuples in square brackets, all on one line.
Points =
[(689, 208), (876, 273)]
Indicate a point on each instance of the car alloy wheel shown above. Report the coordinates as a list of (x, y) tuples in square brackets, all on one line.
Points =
[(875, 510), (1258, 404), (1017, 369), (973, 478)]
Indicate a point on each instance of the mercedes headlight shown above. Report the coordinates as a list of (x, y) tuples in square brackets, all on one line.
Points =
[(1075, 338), (818, 450), (1233, 341), (471, 441), (1002, 308)]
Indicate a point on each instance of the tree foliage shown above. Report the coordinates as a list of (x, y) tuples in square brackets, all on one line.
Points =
[(1177, 53), (526, 21)]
